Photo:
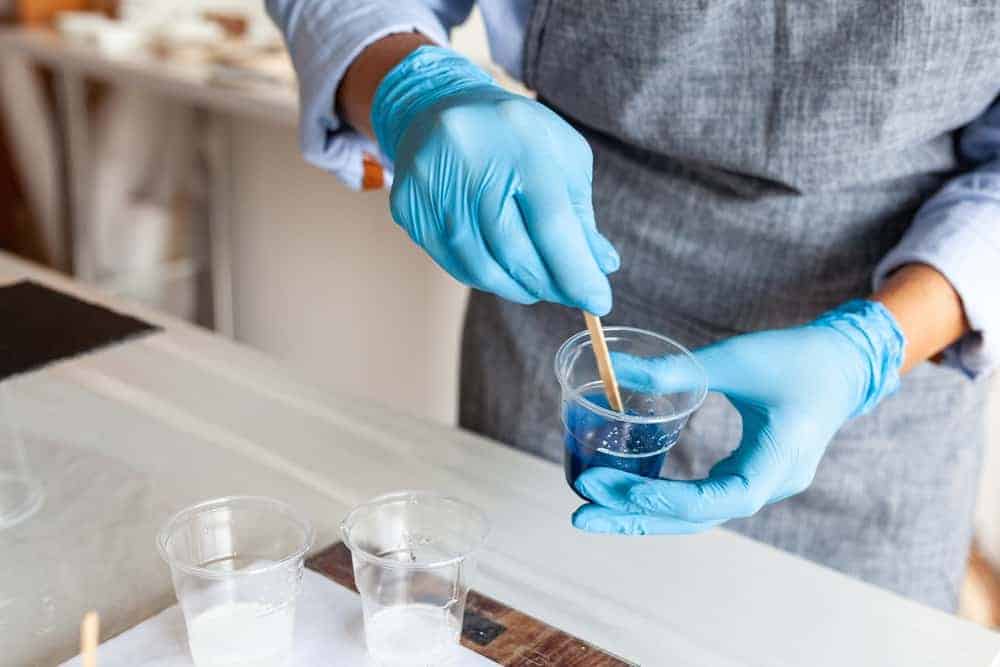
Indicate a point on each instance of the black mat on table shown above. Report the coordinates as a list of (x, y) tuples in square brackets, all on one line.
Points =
[(39, 325)]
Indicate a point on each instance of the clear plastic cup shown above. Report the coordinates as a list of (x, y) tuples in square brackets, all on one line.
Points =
[(636, 441), (413, 557), (237, 565), (21, 493)]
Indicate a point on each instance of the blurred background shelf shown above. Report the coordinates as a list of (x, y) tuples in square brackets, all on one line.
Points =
[(208, 84)]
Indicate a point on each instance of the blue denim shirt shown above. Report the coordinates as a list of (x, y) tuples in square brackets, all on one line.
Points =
[(957, 231)]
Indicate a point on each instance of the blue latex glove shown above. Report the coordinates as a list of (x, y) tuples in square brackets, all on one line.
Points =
[(793, 388), (493, 185)]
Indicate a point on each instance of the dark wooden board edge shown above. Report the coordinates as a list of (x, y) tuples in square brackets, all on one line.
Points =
[(42, 335), (491, 628)]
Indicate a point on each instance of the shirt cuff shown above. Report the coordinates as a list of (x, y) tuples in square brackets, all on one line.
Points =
[(323, 40), (958, 233)]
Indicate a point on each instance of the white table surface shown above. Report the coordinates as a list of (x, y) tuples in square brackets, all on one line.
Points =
[(125, 436)]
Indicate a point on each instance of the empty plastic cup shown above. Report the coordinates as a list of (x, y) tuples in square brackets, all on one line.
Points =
[(413, 558), (236, 564), (20, 491), (636, 441)]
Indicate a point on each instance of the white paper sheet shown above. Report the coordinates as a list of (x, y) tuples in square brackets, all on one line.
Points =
[(328, 631)]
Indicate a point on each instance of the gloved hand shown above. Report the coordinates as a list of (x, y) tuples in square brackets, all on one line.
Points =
[(793, 388), (493, 185)]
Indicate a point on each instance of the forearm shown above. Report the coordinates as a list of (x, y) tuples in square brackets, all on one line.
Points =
[(357, 88), (927, 308)]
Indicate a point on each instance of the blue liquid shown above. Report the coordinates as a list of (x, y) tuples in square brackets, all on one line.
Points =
[(594, 440)]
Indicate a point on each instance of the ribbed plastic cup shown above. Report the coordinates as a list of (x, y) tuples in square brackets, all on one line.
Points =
[(236, 564), (636, 441), (413, 555)]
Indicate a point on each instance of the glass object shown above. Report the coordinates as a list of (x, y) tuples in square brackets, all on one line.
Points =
[(413, 557), (636, 441), (21, 492), (236, 564)]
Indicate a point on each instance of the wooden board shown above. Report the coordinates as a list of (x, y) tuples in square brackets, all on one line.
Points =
[(491, 628)]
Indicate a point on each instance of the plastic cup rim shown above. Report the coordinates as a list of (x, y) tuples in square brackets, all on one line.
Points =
[(163, 537), (576, 395), (401, 495)]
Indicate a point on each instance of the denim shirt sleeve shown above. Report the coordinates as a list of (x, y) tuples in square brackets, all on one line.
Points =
[(957, 231), (323, 38)]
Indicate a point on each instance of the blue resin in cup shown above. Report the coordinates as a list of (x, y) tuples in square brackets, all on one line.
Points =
[(636, 441)]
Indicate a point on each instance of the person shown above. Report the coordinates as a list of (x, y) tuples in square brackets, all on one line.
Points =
[(807, 193)]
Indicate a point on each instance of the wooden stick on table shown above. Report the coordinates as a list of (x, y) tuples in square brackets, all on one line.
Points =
[(89, 631), (603, 358)]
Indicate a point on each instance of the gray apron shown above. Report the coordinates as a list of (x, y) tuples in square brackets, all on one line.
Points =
[(753, 161)]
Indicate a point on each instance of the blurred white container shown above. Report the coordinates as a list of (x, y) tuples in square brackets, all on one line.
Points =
[(80, 27), (112, 38)]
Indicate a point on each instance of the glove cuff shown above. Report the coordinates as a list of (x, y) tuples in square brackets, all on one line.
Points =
[(421, 79), (876, 334)]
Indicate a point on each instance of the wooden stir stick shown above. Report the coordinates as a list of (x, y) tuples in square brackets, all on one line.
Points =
[(603, 358), (89, 631)]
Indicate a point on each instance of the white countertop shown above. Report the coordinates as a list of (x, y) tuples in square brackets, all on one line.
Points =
[(125, 436)]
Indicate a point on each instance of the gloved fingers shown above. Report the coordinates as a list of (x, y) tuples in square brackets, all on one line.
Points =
[(597, 519), (787, 493), (459, 250), (408, 204), (634, 495), (738, 365), (605, 254), (737, 487), (503, 230), (467, 259), (557, 234), (796, 483), (578, 185), (609, 487), (567, 144), (582, 201), (716, 359), (658, 375)]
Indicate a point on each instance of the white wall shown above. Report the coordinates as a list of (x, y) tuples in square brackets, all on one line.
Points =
[(327, 281)]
